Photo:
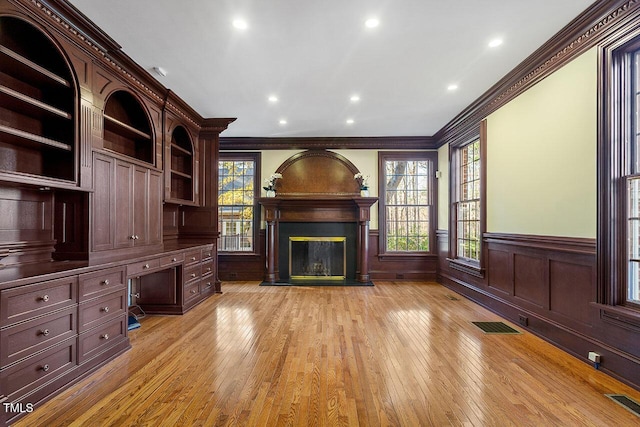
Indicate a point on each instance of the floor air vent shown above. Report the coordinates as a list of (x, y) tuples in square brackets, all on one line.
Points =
[(495, 328), (626, 402)]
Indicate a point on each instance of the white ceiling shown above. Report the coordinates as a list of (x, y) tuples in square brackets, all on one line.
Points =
[(315, 54)]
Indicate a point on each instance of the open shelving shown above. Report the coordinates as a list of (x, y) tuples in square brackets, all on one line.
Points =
[(182, 158), (37, 105), (127, 128)]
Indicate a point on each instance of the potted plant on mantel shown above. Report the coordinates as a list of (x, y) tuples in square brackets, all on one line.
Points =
[(364, 184), (270, 184)]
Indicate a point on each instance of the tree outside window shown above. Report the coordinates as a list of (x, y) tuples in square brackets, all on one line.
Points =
[(236, 202), (407, 202)]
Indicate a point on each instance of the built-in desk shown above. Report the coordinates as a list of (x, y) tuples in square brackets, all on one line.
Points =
[(62, 320)]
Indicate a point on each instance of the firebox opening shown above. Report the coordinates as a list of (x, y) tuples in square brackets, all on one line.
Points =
[(313, 258)]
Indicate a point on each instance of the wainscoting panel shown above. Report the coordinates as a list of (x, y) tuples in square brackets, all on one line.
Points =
[(548, 285), (530, 278), (572, 290), (500, 269)]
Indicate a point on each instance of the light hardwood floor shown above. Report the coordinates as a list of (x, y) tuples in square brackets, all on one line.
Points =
[(398, 353)]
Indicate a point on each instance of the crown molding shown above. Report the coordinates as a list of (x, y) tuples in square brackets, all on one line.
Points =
[(598, 22), (383, 142)]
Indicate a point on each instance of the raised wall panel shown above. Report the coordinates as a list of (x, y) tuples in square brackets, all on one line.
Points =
[(572, 290), (500, 270), (530, 278)]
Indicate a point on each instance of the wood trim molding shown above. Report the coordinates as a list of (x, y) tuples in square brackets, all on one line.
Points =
[(595, 24), (370, 143), (562, 244)]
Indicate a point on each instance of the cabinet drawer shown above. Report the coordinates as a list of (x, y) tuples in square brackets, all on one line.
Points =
[(29, 301), (193, 257), (25, 339), (206, 286), (171, 259), (191, 291), (207, 254), (101, 338), (142, 267), (100, 282), (34, 372), (191, 273), (207, 268), (102, 309)]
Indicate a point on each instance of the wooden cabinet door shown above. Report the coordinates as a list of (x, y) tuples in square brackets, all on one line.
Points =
[(140, 207), (103, 204), (154, 215), (124, 204)]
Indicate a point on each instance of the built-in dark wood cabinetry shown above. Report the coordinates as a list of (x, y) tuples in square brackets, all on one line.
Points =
[(105, 199)]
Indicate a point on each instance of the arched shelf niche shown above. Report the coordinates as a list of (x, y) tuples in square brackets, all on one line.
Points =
[(37, 104), (127, 129)]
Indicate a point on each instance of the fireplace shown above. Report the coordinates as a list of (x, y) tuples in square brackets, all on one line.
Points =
[(317, 216), (317, 258)]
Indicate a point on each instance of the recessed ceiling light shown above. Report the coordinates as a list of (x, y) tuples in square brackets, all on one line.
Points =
[(240, 24), (372, 22), (495, 42), (355, 98), (282, 122), (273, 99), (452, 87), (350, 121)]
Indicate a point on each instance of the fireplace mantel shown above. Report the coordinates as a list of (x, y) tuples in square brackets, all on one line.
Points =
[(317, 208)]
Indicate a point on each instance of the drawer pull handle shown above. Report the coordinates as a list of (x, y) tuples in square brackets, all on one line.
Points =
[(105, 282), (208, 285), (44, 332), (193, 258), (174, 259), (45, 367), (132, 237), (146, 266), (193, 291), (136, 237), (193, 275), (208, 268), (105, 336), (208, 254), (105, 309), (44, 298)]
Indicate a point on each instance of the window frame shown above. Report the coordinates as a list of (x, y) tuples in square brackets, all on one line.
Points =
[(256, 158), (467, 265), (615, 168), (383, 157)]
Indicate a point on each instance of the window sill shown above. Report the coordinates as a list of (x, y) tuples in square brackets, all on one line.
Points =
[(620, 316), (406, 255), (466, 267)]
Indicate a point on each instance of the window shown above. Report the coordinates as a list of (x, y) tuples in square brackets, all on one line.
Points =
[(467, 221), (468, 203), (618, 244), (407, 202), (237, 192)]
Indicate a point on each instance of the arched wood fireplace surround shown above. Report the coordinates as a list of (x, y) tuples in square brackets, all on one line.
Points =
[(317, 186)]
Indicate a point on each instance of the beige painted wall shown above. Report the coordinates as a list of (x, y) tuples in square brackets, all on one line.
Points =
[(541, 156), (443, 188)]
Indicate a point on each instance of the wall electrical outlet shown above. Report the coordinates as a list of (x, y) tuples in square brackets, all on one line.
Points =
[(594, 357)]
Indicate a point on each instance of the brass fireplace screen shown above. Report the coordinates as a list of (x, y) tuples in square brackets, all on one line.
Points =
[(316, 258)]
